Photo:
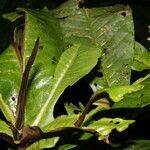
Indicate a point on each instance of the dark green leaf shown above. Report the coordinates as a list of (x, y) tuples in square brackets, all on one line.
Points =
[(108, 27)]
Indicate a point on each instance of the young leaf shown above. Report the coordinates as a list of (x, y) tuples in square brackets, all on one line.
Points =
[(6, 111), (71, 68), (105, 125)]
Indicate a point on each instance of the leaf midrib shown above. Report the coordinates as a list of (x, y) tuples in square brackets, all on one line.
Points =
[(54, 87)]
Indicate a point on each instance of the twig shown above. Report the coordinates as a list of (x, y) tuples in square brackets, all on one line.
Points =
[(95, 97)]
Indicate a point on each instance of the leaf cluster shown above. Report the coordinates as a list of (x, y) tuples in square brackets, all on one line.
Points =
[(49, 53)]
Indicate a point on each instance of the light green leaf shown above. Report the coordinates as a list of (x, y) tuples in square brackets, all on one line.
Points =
[(137, 99), (6, 111), (44, 25), (140, 80), (141, 58), (4, 128), (10, 77), (98, 83), (44, 143), (105, 125), (70, 69), (132, 145), (106, 27), (116, 93), (62, 121)]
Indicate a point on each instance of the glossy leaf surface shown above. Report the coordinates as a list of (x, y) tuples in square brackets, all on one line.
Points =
[(71, 68), (41, 24), (37, 24)]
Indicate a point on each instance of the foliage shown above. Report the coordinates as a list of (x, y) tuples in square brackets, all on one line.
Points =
[(54, 49)]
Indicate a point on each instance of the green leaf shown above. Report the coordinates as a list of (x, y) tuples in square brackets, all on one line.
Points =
[(141, 58), (116, 93), (106, 27), (44, 143), (105, 125), (98, 83), (37, 24), (137, 99), (71, 68), (6, 111), (10, 77), (62, 121), (4, 128), (41, 24)]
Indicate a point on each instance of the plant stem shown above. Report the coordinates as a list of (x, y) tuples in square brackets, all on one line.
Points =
[(95, 97), (23, 88), (68, 130), (81, 118)]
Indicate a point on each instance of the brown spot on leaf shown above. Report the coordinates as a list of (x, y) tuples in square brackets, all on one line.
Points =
[(123, 13)]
